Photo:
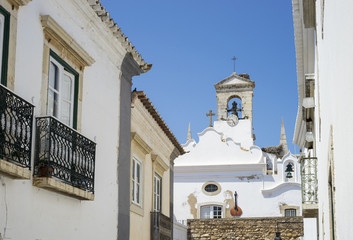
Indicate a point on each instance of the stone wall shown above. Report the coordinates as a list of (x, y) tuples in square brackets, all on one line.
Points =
[(291, 228)]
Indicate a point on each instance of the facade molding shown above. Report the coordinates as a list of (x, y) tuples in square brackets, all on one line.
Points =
[(53, 31)]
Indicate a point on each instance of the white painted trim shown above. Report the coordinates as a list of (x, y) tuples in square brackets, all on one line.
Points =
[(280, 186)]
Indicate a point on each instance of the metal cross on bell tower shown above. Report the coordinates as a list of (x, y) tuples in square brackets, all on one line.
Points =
[(234, 59)]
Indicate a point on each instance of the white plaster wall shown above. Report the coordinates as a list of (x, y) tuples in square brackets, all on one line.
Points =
[(333, 60), (250, 197), (28, 212), (334, 109), (215, 148), (240, 133), (180, 231), (310, 229)]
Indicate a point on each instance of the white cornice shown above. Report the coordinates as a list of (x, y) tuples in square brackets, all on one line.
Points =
[(299, 50), (280, 186), (220, 168)]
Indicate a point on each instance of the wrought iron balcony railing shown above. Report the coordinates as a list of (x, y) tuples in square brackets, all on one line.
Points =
[(161, 227), (309, 180), (16, 119), (64, 154)]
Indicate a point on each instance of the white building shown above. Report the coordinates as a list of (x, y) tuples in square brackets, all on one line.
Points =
[(65, 99), (225, 160), (324, 56)]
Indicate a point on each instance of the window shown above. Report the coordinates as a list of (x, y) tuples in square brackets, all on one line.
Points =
[(211, 188), (61, 86), (290, 212), (136, 182), (210, 212), (62, 76), (157, 190), (4, 43)]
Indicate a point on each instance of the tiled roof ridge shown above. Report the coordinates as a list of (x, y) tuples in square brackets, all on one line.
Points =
[(113, 26), (154, 113)]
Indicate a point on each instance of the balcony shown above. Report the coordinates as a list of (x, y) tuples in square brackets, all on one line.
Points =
[(309, 186), (64, 159), (161, 227), (16, 119)]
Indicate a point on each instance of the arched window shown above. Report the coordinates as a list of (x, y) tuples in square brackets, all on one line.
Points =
[(269, 164), (289, 172)]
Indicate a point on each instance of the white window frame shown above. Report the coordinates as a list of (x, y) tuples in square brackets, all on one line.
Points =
[(157, 193), (60, 78), (211, 209), (136, 196)]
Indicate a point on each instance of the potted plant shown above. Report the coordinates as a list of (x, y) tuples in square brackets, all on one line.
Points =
[(45, 170)]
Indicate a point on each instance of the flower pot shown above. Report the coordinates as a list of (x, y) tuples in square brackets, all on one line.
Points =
[(46, 171)]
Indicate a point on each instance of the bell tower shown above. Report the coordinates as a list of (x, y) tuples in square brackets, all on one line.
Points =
[(238, 88)]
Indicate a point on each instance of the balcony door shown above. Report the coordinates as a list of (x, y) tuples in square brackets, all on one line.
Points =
[(60, 103)]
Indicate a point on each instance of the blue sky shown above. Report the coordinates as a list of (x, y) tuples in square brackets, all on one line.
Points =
[(190, 44)]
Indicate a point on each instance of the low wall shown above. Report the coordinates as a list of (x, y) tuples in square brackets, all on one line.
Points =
[(291, 228)]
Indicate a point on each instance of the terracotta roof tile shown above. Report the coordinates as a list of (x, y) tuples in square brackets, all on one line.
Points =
[(116, 31)]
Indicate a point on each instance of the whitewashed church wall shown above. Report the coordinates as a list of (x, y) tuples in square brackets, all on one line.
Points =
[(29, 212), (189, 196), (241, 133)]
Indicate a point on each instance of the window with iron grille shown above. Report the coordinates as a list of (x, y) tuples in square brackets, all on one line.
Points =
[(290, 212), (211, 188)]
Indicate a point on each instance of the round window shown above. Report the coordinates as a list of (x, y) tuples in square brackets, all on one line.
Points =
[(211, 188)]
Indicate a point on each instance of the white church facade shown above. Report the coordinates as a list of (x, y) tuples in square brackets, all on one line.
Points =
[(225, 162)]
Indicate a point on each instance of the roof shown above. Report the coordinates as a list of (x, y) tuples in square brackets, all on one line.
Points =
[(276, 150), (116, 31), (152, 110), (235, 80)]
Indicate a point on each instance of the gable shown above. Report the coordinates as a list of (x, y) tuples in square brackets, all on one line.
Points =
[(235, 81)]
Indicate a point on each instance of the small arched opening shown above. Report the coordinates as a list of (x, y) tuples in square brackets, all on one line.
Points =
[(289, 171), (234, 106)]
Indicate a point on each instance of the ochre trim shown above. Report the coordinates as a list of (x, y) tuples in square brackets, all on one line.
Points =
[(57, 186), (53, 31), (14, 170), (18, 3), (136, 138), (159, 163)]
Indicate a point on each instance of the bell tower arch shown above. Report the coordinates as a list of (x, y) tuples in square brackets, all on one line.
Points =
[(238, 89)]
